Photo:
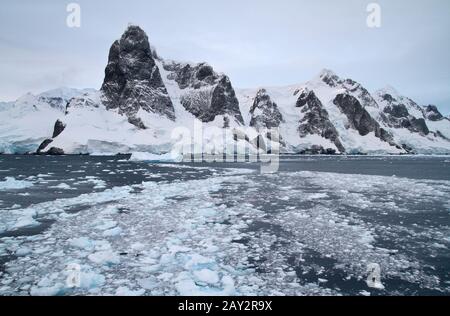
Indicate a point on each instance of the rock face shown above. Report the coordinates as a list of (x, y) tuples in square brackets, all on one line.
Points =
[(205, 93), (58, 128), (397, 114), (54, 151), (310, 117), (316, 120), (264, 112), (44, 145), (432, 113), (133, 80), (359, 119)]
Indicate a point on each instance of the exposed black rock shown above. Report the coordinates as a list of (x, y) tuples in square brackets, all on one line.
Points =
[(317, 150), (359, 119), (58, 128), (396, 114), (207, 94), (264, 112), (44, 145), (226, 122), (397, 110), (54, 151), (408, 149), (136, 121), (132, 78), (316, 119), (330, 78), (361, 93), (419, 125), (432, 113)]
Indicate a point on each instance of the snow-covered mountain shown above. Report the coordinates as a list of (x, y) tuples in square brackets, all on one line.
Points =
[(146, 102), (331, 113)]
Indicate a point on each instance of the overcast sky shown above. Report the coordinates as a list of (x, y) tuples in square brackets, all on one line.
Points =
[(256, 42)]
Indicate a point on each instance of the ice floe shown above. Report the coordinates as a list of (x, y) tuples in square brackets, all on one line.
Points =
[(10, 183), (235, 233)]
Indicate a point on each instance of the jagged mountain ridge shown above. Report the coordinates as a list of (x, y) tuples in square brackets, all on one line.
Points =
[(144, 98)]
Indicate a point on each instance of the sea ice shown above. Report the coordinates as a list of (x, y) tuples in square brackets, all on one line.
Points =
[(10, 183)]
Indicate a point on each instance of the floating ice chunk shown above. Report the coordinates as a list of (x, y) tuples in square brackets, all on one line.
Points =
[(438, 245), (53, 290), (25, 220), (23, 251), (90, 280), (47, 287), (113, 232), (148, 283), (106, 257), (98, 184), (317, 196), (124, 291), (374, 278), (186, 286), (148, 157), (207, 276), (11, 183), (197, 262), (62, 186), (82, 243)]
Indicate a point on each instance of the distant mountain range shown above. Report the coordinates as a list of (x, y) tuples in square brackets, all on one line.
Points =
[(144, 98)]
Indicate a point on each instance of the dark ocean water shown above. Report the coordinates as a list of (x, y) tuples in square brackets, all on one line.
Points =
[(304, 221)]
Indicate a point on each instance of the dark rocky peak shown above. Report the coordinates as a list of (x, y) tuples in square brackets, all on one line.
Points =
[(206, 94), (388, 98), (192, 76), (315, 119), (308, 97), (359, 119), (398, 111), (419, 125), (58, 128), (361, 93), (351, 86), (132, 78), (432, 113), (329, 77), (264, 112)]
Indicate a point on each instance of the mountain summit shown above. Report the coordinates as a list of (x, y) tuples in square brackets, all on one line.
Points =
[(145, 98), (132, 78)]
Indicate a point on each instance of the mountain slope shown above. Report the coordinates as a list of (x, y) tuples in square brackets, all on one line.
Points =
[(410, 124), (149, 104), (28, 121)]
